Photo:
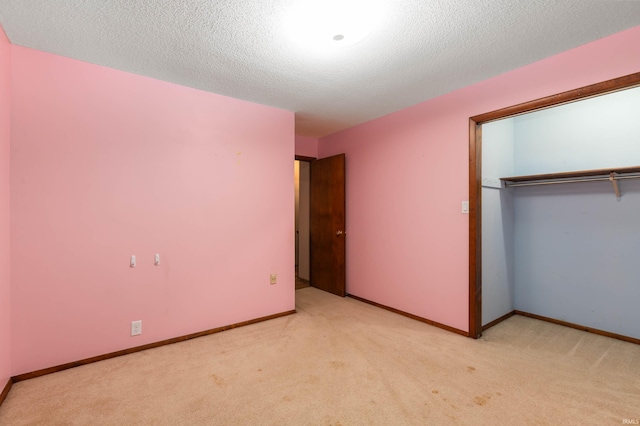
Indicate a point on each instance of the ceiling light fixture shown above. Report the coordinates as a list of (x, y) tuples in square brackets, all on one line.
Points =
[(329, 23)]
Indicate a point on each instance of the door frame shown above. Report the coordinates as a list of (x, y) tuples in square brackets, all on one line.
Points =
[(475, 175)]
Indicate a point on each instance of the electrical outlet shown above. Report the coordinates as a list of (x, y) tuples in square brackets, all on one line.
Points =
[(273, 278), (136, 327)]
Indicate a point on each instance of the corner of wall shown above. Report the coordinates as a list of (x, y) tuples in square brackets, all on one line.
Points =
[(5, 273)]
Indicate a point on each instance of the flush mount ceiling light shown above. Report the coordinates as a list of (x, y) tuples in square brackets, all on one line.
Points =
[(332, 23)]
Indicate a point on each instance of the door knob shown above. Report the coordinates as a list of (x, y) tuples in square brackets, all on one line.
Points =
[(339, 233)]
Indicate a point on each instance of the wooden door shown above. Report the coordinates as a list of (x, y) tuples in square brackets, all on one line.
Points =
[(327, 227)]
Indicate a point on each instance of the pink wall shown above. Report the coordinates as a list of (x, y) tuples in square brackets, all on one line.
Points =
[(306, 146), (107, 164), (407, 174), (5, 285)]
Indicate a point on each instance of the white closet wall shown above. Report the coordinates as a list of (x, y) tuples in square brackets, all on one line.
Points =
[(592, 134), (497, 221), (577, 254)]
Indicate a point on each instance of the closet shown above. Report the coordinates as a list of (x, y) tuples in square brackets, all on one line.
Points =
[(561, 214)]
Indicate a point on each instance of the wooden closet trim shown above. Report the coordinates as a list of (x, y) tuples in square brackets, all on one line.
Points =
[(475, 175)]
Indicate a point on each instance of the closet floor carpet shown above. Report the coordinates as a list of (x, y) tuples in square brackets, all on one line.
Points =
[(339, 361)]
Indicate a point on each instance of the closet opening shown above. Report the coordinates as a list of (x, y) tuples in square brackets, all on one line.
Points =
[(486, 191)]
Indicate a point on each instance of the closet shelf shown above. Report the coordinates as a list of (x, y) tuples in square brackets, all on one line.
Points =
[(613, 175)]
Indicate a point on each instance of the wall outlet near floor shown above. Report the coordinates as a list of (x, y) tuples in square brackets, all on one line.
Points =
[(273, 278), (136, 327)]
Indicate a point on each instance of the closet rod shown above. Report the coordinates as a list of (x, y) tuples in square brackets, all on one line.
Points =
[(554, 182)]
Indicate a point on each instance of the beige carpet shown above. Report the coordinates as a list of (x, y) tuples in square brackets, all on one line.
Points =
[(342, 362)]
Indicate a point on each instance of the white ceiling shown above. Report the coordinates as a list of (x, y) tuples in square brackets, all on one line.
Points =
[(421, 48)]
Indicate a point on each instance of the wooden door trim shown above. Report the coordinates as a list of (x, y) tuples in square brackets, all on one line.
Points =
[(475, 175), (475, 229)]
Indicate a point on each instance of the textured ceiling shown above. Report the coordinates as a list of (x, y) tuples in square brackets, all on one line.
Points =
[(239, 48)]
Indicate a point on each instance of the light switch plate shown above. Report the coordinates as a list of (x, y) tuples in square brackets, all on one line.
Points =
[(465, 207)]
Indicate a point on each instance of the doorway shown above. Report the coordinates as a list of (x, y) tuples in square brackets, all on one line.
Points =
[(320, 227), (475, 177), (302, 173)]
